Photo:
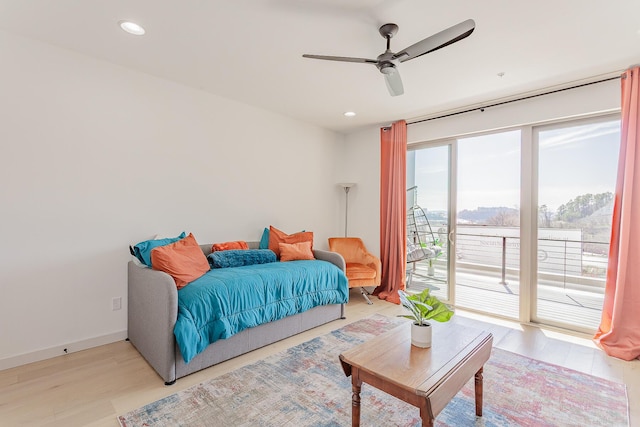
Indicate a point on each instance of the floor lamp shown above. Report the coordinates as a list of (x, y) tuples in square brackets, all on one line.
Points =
[(347, 186)]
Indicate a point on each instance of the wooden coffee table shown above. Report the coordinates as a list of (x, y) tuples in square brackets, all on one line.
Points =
[(424, 377)]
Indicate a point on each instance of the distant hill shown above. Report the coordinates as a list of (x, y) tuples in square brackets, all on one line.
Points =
[(436, 215), (481, 214), (605, 211), (583, 206), (601, 216)]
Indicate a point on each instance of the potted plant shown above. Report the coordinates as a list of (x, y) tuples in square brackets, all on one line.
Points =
[(423, 307)]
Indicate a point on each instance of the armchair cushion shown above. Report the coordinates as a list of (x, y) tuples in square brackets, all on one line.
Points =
[(360, 271), (362, 267)]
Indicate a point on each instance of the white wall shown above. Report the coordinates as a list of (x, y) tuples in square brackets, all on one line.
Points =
[(362, 156), (94, 157), (362, 160)]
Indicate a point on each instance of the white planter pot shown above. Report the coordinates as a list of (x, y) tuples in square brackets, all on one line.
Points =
[(421, 335)]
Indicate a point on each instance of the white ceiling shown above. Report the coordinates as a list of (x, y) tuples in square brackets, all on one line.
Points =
[(251, 50)]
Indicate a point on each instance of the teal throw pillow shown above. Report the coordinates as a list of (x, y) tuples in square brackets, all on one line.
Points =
[(264, 240), (142, 250), (238, 258)]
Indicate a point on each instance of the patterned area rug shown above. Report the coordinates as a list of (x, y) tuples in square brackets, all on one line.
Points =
[(305, 386)]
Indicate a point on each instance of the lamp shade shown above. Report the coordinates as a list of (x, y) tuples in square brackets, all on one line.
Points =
[(347, 184)]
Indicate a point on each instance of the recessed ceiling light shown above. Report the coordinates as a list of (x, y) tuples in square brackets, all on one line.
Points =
[(349, 114), (131, 28)]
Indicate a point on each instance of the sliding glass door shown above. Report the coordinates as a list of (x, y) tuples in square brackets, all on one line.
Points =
[(429, 219), (523, 219), (577, 166), (487, 233)]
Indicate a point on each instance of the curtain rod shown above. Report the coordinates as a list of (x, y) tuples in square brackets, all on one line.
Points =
[(514, 100)]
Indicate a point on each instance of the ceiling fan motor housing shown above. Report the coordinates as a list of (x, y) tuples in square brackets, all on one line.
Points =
[(386, 64)]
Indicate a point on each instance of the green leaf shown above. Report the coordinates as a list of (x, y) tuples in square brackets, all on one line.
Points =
[(440, 312), (424, 306), (406, 316)]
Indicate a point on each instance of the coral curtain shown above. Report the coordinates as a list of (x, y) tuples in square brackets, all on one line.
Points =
[(619, 331), (393, 214)]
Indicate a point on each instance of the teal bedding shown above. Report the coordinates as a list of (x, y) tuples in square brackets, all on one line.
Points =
[(226, 301)]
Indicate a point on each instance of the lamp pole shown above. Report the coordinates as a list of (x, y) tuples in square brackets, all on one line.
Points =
[(346, 208), (347, 186)]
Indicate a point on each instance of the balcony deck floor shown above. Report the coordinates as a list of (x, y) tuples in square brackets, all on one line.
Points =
[(481, 291)]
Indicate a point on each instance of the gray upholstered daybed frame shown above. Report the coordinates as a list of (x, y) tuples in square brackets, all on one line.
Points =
[(153, 311)]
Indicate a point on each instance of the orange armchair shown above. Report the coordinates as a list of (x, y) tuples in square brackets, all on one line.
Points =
[(362, 267)]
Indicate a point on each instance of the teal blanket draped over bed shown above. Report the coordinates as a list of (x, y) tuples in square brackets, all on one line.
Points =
[(226, 301)]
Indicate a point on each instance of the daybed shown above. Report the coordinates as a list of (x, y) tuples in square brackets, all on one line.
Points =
[(153, 313)]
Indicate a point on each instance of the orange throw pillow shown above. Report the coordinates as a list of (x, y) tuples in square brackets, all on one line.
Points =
[(295, 251), (227, 246), (276, 237), (182, 260)]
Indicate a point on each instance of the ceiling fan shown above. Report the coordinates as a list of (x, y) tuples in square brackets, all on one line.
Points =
[(388, 61)]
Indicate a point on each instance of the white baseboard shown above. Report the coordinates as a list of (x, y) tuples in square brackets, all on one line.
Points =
[(48, 353)]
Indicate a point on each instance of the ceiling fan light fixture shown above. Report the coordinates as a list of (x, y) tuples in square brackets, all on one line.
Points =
[(132, 28), (349, 114), (387, 68)]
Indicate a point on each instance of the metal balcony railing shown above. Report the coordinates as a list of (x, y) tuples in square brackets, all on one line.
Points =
[(571, 274), (561, 262)]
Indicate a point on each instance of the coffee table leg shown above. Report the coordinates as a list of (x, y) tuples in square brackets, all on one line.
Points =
[(479, 392), (425, 414), (356, 385)]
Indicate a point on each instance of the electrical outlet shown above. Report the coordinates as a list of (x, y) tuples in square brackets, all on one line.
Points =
[(116, 303)]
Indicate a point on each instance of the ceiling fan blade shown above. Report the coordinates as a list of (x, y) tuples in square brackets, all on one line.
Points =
[(394, 83), (342, 59), (437, 41)]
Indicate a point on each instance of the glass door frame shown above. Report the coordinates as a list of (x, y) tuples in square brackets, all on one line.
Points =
[(528, 308), (451, 143), (528, 227), (527, 204), (452, 217)]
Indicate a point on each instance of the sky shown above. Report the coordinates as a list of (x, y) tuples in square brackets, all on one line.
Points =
[(573, 160)]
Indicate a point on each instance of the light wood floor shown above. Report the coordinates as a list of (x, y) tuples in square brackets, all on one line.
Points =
[(92, 387)]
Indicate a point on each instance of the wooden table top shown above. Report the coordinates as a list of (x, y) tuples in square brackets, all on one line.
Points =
[(392, 358)]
